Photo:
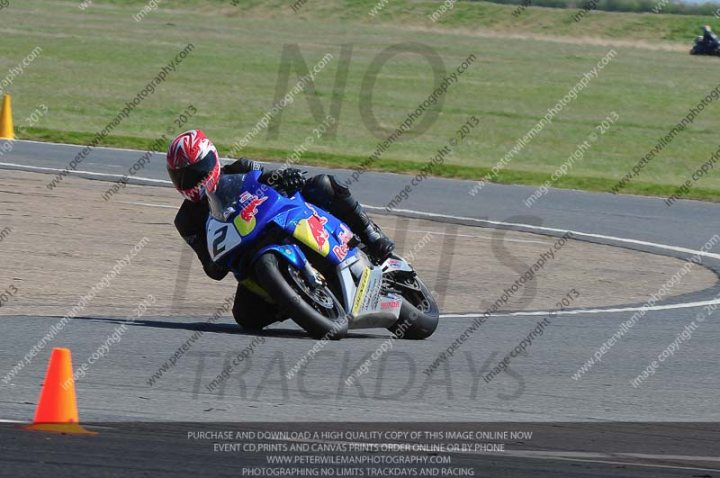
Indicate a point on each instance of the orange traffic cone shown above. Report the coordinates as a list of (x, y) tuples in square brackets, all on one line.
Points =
[(6, 122), (57, 408)]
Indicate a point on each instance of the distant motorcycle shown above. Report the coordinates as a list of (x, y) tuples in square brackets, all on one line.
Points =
[(705, 47)]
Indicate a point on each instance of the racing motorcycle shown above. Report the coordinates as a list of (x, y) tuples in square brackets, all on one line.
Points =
[(702, 47), (309, 264)]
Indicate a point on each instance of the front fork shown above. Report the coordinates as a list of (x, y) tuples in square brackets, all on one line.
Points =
[(313, 276)]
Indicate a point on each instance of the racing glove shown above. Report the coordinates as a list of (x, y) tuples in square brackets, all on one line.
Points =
[(288, 180), (242, 166)]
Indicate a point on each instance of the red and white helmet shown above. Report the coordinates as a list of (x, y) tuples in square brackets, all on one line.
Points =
[(193, 164)]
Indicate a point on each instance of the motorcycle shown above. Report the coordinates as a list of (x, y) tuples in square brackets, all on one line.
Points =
[(309, 264), (701, 47)]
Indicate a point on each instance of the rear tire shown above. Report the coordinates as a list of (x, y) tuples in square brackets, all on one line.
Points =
[(316, 310), (419, 314)]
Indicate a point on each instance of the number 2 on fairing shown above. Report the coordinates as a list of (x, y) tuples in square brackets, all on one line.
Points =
[(220, 236)]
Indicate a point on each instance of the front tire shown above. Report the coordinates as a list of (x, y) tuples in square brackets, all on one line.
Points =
[(315, 309)]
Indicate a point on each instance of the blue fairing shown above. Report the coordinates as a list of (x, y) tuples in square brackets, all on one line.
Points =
[(253, 208), (291, 252)]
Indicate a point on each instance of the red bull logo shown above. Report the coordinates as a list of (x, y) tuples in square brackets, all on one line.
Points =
[(245, 222), (345, 236), (311, 232), (317, 227), (250, 210)]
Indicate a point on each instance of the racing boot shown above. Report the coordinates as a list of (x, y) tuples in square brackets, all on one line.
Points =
[(325, 191), (379, 246)]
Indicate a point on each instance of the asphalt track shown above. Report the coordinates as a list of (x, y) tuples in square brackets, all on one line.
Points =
[(538, 387)]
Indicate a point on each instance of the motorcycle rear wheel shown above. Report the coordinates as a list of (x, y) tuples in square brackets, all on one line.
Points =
[(419, 314)]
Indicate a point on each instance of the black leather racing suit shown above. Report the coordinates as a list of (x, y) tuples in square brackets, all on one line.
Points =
[(710, 39), (322, 190)]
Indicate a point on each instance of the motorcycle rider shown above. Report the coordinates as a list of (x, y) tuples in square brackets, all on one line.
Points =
[(194, 168), (709, 37)]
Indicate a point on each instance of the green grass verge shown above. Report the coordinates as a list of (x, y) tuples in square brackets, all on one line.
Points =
[(465, 16), (93, 61)]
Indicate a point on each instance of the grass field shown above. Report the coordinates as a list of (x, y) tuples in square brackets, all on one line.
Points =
[(95, 60)]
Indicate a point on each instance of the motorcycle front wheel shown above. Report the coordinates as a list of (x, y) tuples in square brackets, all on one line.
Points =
[(314, 308)]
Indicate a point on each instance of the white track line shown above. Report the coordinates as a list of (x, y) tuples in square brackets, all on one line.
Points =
[(621, 240), (474, 236), (486, 222), (114, 177), (685, 305), (148, 204)]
